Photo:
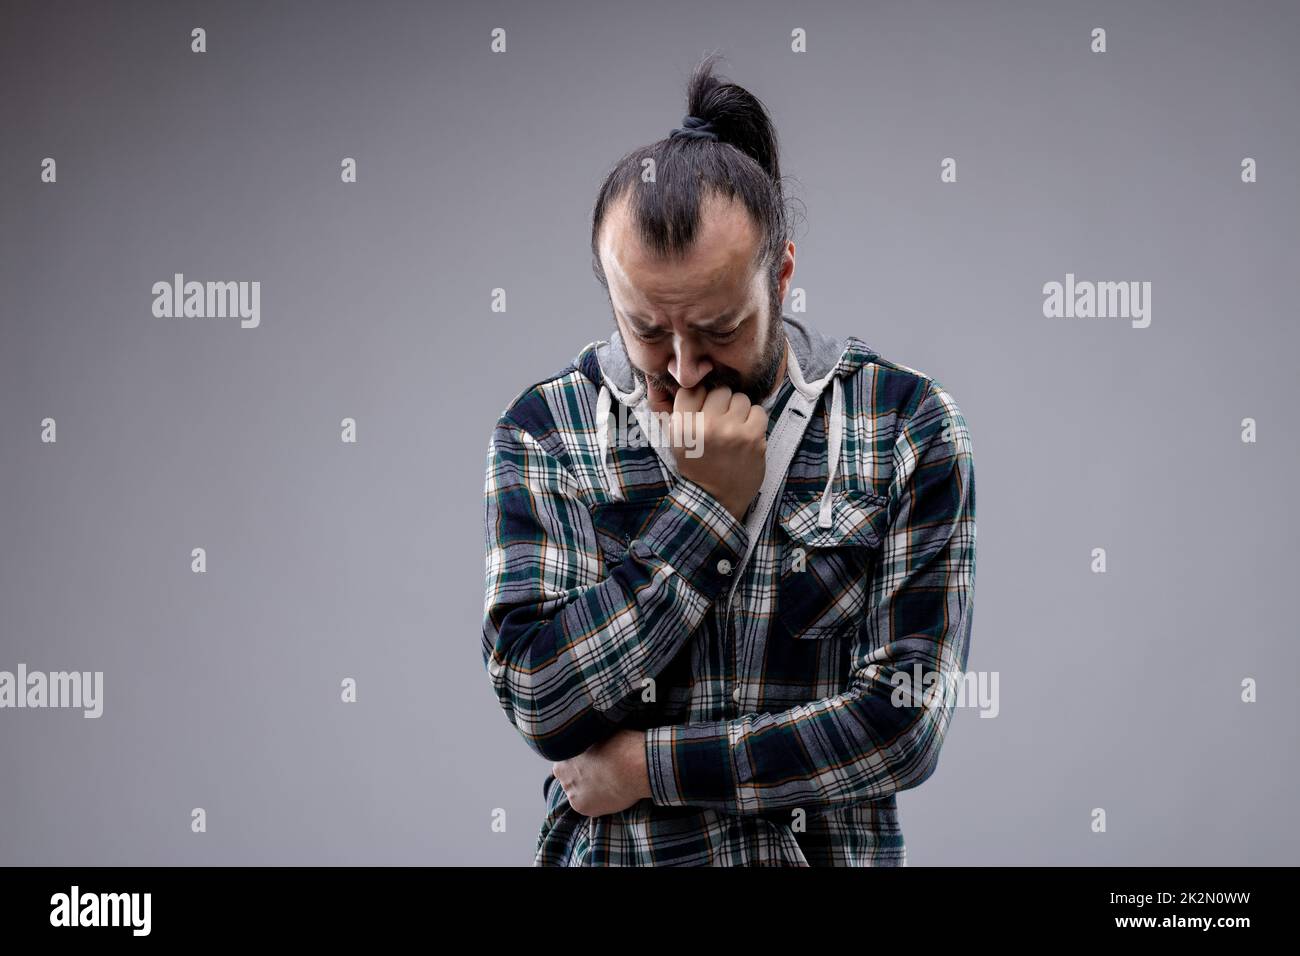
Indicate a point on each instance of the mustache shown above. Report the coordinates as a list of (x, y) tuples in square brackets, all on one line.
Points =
[(666, 383)]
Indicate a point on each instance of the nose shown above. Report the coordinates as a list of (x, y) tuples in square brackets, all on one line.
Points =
[(688, 365)]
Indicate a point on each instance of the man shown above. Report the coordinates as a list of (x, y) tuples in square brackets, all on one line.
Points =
[(718, 643)]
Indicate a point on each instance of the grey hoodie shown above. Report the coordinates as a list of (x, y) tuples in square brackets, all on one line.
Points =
[(812, 361)]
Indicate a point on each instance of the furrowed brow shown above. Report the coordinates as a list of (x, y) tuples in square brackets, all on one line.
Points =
[(722, 320), (638, 323), (643, 324)]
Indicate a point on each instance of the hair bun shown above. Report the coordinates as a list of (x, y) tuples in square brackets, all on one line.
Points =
[(694, 128)]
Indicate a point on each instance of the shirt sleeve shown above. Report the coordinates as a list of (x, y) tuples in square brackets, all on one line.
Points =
[(566, 648), (870, 740)]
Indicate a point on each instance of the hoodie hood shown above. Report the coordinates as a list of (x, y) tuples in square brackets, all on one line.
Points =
[(814, 362), (815, 354)]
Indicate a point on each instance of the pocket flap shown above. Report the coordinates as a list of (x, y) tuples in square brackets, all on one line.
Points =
[(858, 519)]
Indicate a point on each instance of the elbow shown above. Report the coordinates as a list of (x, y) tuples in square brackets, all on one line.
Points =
[(556, 748), (907, 742), (550, 730), (556, 743), (917, 758)]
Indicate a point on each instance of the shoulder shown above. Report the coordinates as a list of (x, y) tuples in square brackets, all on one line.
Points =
[(551, 409), (888, 386), (891, 398)]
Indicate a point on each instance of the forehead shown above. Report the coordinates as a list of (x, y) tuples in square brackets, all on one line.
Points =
[(714, 273)]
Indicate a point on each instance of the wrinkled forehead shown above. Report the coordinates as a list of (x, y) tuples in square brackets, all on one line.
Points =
[(717, 270)]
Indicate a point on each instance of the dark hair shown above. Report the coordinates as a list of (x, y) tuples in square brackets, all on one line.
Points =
[(741, 163)]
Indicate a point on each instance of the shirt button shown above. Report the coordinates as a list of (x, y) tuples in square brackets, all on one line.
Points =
[(724, 566), (735, 694)]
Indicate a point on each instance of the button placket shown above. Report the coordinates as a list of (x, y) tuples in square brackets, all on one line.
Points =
[(732, 646), (782, 442), (735, 651)]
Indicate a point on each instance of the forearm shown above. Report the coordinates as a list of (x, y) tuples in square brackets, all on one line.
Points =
[(835, 751), (567, 664)]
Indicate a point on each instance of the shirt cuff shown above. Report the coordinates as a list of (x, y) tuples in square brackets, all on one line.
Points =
[(699, 538), (690, 765)]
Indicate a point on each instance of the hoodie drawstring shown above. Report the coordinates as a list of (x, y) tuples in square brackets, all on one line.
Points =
[(834, 431), (604, 402), (834, 435), (832, 451)]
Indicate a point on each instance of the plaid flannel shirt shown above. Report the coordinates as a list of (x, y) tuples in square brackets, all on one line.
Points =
[(775, 734)]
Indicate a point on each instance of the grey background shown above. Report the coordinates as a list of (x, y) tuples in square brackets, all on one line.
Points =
[(478, 170)]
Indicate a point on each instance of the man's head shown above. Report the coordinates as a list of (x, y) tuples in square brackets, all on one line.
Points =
[(697, 260), (709, 318)]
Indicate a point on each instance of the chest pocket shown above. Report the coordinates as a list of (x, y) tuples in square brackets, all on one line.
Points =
[(824, 573)]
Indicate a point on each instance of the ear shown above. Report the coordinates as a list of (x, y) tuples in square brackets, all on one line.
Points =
[(787, 270)]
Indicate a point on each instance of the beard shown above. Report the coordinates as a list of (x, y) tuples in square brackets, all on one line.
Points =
[(757, 385)]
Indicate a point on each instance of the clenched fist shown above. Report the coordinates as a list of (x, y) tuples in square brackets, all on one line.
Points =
[(731, 440)]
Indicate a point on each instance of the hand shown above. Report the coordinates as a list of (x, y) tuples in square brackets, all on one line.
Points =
[(608, 777), (731, 441)]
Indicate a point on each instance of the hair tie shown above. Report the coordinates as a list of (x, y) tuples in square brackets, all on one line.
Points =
[(694, 128)]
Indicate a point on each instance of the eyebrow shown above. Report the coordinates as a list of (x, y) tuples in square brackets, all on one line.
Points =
[(707, 325)]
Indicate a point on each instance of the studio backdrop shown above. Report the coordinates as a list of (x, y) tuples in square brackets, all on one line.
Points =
[(255, 531)]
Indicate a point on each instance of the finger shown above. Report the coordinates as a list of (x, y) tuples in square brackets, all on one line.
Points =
[(740, 405), (757, 418), (683, 425), (689, 399), (718, 400), (675, 420)]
